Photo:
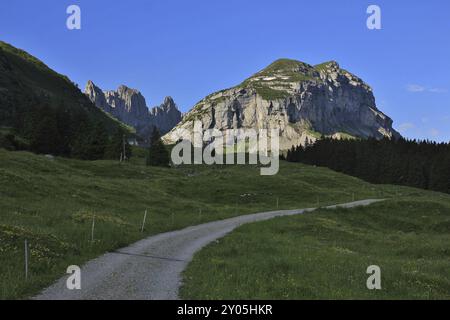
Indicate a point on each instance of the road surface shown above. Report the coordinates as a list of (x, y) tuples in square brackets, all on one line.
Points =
[(152, 268)]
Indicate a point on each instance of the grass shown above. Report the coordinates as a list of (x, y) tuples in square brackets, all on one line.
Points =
[(51, 203), (270, 94), (285, 71), (325, 254), (21, 67), (324, 66), (283, 65)]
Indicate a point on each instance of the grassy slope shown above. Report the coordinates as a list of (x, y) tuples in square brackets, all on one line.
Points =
[(51, 203), (325, 255), (23, 76)]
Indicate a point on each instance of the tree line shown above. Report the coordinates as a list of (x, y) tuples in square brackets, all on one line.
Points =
[(62, 131), (420, 164), (59, 130)]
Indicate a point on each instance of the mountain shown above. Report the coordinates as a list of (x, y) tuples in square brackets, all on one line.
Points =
[(129, 106), (24, 79), (44, 109), (303, 101)]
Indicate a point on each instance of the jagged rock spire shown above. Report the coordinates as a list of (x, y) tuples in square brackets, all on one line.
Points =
[(129, 106)]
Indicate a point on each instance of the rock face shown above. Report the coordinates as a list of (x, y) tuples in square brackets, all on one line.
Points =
[(166, 116), (129, 106), (304, 102)]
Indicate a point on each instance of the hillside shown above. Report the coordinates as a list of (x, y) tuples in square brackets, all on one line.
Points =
[(51, 203), (304, 102), (35, 100)]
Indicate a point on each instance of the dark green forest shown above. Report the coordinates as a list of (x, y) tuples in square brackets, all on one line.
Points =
[(158, 154), (420, 164), (39, 127)]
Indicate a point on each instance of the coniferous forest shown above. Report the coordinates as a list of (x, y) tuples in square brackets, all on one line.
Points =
[(62, 131), (420, 164)]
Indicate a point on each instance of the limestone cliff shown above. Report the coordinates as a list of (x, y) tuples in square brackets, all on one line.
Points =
[(129, 106), (304, 102)]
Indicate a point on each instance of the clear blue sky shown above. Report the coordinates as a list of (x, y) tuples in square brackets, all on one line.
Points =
[(190, 48)]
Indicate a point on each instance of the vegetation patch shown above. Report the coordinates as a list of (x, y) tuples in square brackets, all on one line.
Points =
[(87, 217)]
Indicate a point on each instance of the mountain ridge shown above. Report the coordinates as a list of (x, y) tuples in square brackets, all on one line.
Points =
[(303, 101), (129, 106), (45, 112)]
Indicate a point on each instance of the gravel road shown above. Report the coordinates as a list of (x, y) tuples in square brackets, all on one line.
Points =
[(152, 268)]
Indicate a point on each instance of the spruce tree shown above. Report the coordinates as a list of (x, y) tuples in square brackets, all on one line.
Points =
[(420, 164), (44, 135), (157, 153), (91, 142)]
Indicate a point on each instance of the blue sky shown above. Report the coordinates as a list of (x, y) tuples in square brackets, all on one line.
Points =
[(188, 49)]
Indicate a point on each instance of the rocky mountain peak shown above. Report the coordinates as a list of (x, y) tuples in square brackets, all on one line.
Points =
[(91, 87), (96, 95), (303, 101), (90, 84), (286, 65), (169, 104), (124, 90), (167, 115), (329, 65)]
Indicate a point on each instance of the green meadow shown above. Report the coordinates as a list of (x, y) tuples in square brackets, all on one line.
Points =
[(51, 203), (325, 255)]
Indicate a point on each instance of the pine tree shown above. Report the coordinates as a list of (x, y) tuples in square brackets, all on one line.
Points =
[(440, 173), (157, 153), (96, 142), (91, 142), (420, 164), (43, 132), (8, 142)]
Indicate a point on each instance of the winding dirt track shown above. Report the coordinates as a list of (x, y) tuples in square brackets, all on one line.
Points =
[(152, 268)]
